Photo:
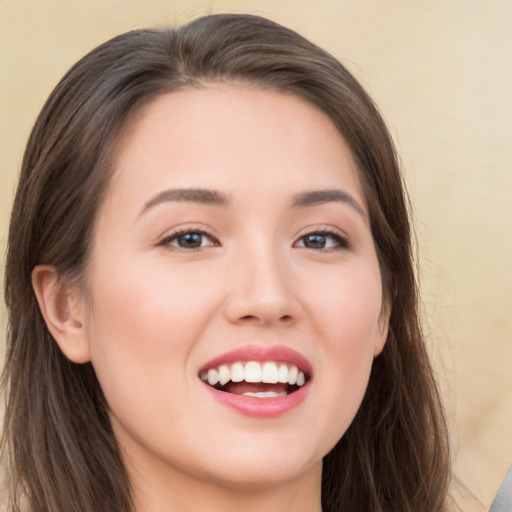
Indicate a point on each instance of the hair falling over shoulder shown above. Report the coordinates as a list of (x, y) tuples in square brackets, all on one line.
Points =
[(58, 447)]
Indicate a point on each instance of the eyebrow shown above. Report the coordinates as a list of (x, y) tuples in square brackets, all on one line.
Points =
[(216, 198), (317, 197), (190, 195)]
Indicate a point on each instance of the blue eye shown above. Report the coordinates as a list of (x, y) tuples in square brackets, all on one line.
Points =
[(323, 240), (189, 240)]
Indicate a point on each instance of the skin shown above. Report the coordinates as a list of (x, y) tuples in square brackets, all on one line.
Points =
[(151, 313)]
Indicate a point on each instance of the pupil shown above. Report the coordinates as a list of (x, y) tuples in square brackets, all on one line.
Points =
[(315, 241), (190, 240)]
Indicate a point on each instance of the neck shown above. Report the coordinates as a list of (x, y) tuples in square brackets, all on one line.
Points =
[(169, 491)]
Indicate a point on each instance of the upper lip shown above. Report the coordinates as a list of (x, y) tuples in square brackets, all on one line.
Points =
[(278, 353)]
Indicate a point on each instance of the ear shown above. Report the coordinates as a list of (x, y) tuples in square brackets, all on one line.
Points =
[(382, 330), (63, 311)]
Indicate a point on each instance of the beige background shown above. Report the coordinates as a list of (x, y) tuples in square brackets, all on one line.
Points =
[(441, 72)]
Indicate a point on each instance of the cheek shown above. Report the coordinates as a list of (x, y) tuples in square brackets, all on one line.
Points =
[(348, 307), (147, 306), (347, 320), (144, 326)]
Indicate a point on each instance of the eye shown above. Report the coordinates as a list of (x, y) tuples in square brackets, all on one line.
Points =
[(189, 239), (323, 240)]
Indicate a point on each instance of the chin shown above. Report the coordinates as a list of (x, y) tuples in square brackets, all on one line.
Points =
[(257, 467), (259, 476)]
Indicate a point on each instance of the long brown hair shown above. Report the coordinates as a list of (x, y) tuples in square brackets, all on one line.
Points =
[(58, 444)]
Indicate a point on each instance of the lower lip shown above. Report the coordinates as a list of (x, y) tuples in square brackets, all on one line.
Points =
[(260, 407)]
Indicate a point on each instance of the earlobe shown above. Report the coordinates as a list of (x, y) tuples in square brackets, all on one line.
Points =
[(383, 329), (63, 311)]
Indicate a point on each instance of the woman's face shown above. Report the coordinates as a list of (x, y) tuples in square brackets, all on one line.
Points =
[(233, 243)]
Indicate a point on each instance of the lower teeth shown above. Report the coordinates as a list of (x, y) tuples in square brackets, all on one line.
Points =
[(265, 394)]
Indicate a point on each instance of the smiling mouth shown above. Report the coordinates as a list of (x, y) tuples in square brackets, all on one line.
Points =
[(256, 379)]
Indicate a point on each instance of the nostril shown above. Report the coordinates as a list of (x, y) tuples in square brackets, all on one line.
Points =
[(249, 317), (252, 318)]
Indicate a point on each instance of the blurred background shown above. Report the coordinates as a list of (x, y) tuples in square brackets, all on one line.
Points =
[(441, 73)]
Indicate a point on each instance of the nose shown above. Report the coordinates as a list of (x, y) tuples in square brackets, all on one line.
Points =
[(262, 291)]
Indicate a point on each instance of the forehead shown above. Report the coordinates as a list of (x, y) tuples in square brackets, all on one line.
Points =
[(223, 134)]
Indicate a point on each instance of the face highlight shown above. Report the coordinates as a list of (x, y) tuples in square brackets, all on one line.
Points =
[(234, 293)]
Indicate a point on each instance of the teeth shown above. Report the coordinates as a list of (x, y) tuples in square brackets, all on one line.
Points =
[(252, 372), (268, 372), (237, 372), (282, 376), (293, 373), (213, 376), (265, 394), (224, 374)]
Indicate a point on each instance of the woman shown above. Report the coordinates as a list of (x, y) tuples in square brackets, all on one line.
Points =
[(210, 287)]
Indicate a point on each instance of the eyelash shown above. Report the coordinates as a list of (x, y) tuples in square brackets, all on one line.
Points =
[(340, 242), (167, 241)]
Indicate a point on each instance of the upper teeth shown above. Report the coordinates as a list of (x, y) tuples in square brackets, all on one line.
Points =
[(253, 371)]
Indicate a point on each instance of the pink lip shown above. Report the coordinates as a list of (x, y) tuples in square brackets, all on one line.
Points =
[(261, 407), (278, 353)]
